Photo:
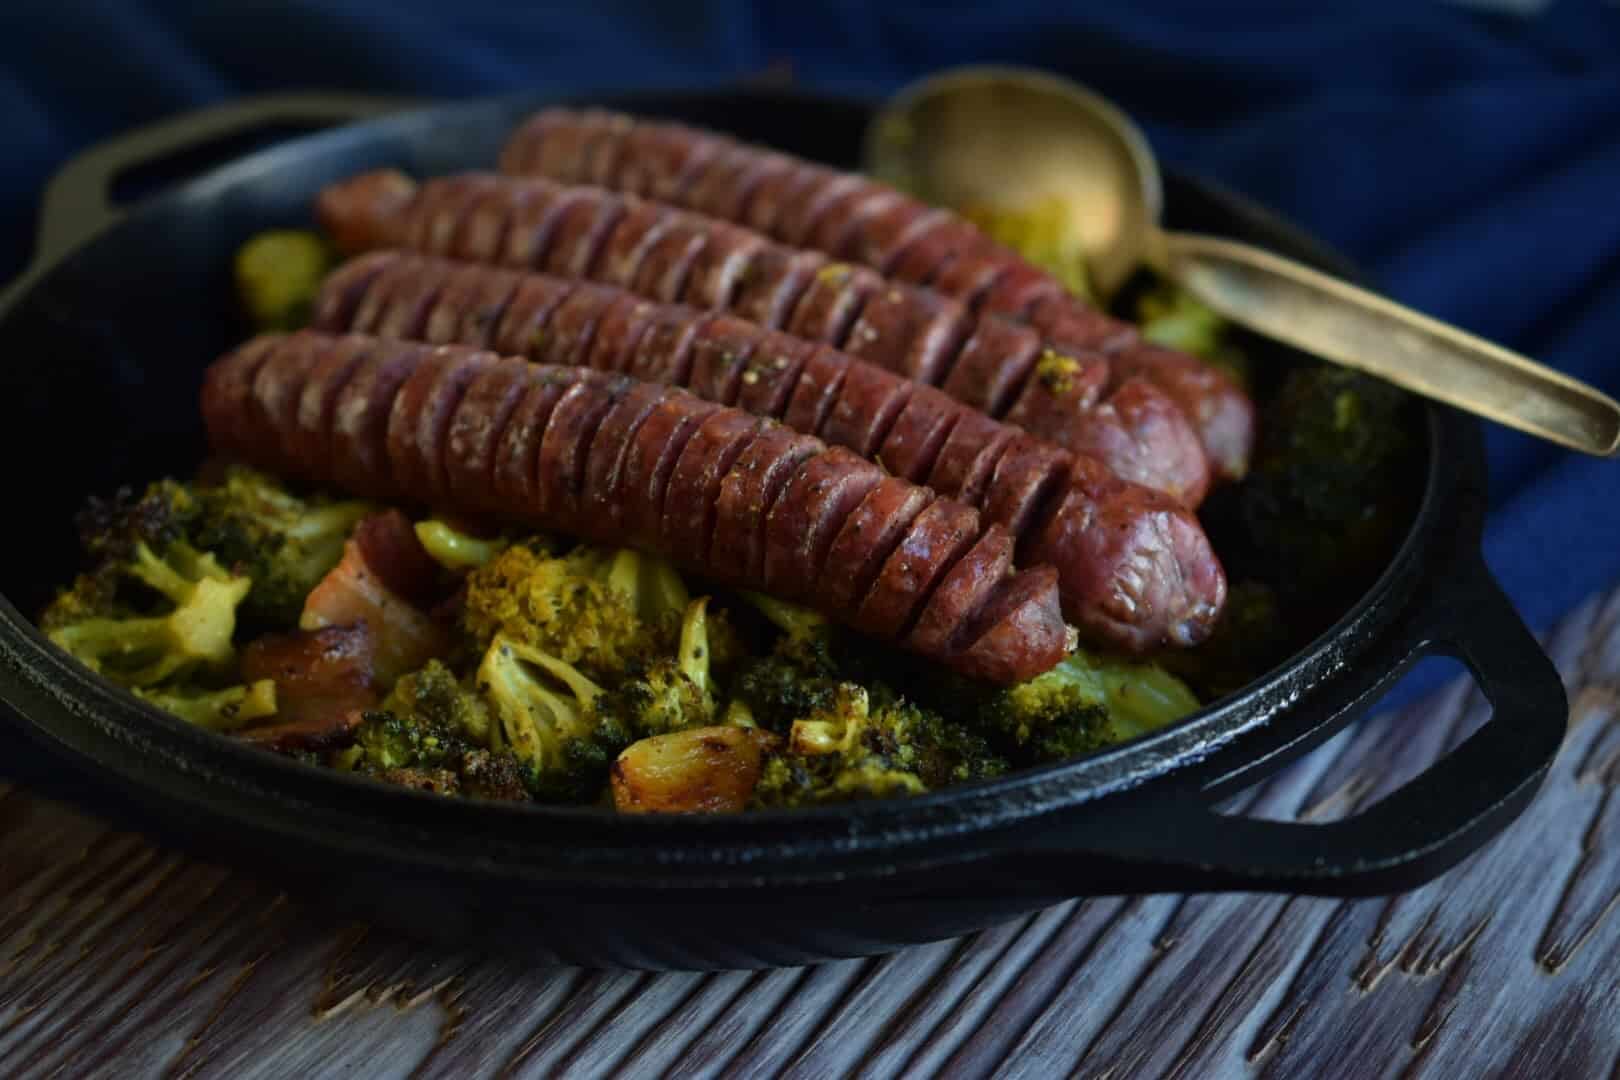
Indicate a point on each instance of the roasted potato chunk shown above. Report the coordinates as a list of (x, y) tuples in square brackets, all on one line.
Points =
[(704, 770)]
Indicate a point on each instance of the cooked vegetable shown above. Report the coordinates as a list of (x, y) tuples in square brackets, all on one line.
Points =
[(454, 549), (1084, 703), (799, 676), (217, 710), (187, 630), (699, 770), (544, 710), (599, 609), (434, 732), (278, 274), (671, 693), (285, 543), (852, 748)]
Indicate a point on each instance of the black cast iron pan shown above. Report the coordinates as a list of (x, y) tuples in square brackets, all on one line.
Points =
[(104, 342)]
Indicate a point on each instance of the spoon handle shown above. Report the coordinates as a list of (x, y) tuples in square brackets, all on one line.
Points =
[(1324, 316)]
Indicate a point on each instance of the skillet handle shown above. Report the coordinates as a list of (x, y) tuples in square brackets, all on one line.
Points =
[(78, 202), (1404, 840)]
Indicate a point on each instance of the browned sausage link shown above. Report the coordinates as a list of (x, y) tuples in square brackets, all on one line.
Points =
[(346, 287), (467, 295), (1136, 428), (580, 234), (522, 326), (668, 263), (718, 270), (627, 245), (987, 362), (1102, 535), (581, 459), (226, 398), (833, 301), (854, 217), (1220, 411), (1146, 439), (914, 431), (624, 325), (534, 217), (484, 228), (723, 189), (311, 442), (567, 335)]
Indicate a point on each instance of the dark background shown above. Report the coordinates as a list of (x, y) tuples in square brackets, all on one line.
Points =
[(1471, 160)]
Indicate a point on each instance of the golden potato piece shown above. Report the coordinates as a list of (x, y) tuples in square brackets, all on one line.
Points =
[(705, 770)]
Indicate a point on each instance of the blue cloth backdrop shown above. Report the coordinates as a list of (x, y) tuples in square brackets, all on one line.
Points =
[(1470, 160)]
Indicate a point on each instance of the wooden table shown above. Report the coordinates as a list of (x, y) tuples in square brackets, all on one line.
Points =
[(120, 959)]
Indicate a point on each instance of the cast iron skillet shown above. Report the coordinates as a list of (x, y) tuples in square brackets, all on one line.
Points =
[(104, 342)]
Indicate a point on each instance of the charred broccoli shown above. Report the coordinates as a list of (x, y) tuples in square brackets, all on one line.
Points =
[(854, 749), (802, 672), (599, 609), (286, 544), (671, 693), (434, 726)]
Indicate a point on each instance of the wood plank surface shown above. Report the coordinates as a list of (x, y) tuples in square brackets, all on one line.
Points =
[(120, 959)]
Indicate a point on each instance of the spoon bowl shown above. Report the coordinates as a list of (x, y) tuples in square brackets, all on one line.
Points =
[(1029, 144)]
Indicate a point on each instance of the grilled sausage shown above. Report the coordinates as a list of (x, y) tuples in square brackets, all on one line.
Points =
[(988, 362), (393, 423), (856, 218), (916, 432)]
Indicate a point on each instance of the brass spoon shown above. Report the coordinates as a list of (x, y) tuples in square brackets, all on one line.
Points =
[(1010, 139)]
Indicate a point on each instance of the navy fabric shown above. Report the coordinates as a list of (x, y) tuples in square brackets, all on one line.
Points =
[(1471, 161)]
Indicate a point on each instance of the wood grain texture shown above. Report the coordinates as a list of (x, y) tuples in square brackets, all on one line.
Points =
[(120, 959)]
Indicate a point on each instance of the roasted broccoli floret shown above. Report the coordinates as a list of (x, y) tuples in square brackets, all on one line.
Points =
[(182, 627), (853, 748), (278, 274), (434, 731), (544, 710), (799, 676), (1087, 701), (286, 544), (598, 609), (454, 549), (428, 721), (109, 531), (672, 693), (1324, 499), (217, 710)]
